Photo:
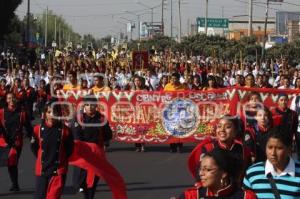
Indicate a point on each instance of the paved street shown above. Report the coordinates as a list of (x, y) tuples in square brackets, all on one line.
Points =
[(155, 174)]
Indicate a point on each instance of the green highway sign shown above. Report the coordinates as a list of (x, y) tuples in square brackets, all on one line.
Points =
[(213, 22)]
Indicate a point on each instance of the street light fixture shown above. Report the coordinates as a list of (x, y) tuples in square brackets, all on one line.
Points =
[(151, 8), (131, 25), (138, 21)]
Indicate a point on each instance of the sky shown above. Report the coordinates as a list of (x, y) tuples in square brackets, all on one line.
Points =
[(106, 17)]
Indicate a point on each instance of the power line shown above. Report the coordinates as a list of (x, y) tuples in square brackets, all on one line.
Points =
[(96, 15), (245, 2), (291, 3)]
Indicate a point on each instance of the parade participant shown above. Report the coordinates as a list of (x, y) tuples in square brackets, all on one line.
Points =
[(91, 127), (278, 177), (30, 98), (3, 92), (211, 83), (139, 85), (284, 116), (256, 135), (295, 106), (227, 138), (162, 83), (252, 103), (99, 85), (42, 96), (239, 81), (219, 171), (18, 91), (52, 144), (73, 84), (285, 83), (196, 85), (175, 85), (12, 121), (297, 83), (113, 84), (249, 81)]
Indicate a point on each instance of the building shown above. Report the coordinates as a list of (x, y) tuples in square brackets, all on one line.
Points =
[(293, 30), (282, 20), (239, 28)]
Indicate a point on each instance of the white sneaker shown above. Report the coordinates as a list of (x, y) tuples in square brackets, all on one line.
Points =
[(80, 189)]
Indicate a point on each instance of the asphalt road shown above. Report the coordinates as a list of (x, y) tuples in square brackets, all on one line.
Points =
[(155, 174)]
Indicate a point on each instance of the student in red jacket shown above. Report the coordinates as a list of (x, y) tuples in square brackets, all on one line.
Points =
[(219, 171), (257, 133), (52, 144), (227, 131), (12, 121), (284, 116)]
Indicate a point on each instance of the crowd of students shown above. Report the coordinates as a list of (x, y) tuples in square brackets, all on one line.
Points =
[(251, 156)]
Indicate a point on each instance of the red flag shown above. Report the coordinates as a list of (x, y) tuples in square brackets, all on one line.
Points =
[(91, 157), (194, 157)]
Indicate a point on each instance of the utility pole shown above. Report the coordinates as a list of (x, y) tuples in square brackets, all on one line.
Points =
[(46, 27), (55, 29), (162, 16), (28, 23), (179, 14), (59, 37), (171, 18), (265, 33), (139, 27), (250, 17), (206, 16)]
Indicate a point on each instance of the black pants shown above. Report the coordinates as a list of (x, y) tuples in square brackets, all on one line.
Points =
[(297, 142), (174, 146), (41, 186), (13, 175), (79, 181)]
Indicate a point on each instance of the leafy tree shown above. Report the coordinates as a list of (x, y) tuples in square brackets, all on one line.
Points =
[(7, 8)]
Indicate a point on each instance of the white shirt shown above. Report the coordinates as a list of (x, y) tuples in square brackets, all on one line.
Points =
[(290, 169)]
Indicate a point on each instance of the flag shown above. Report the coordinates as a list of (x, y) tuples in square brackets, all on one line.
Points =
[(57, 53), (4, 153), (91, 157)]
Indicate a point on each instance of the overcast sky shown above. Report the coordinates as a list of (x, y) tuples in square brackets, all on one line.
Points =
[(102, 17)]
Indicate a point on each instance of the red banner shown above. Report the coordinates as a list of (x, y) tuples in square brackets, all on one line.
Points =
[(140, 59), (164, 117)]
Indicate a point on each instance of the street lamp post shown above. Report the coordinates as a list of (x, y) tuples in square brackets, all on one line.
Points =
[(265, 32), (138, 21), (151, 8), (130, 25), (206, 16)]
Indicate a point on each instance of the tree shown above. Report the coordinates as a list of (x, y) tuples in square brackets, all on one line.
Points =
[(7, 8)]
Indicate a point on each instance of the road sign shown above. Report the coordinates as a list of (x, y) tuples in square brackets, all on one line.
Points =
[(213, 22)]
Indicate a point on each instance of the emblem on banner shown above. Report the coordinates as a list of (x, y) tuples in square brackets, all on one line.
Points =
[(180, 118)]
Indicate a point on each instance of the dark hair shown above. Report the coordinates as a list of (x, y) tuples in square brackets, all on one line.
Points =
[(281, 133), (237, 122), (57, 110), (226, 162), (176, 75), (249, 95), (269, 114)]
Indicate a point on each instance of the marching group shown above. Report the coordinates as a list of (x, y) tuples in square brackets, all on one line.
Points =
[(249, 157)]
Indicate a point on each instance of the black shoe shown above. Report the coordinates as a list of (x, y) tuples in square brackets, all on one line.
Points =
[(173, 150), (14, 188)]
